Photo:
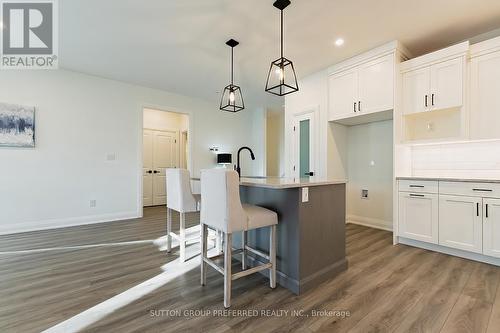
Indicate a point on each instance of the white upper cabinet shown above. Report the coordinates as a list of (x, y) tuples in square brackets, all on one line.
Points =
[(364, 89), (364, 85), (376, 85), (416, 86), (485, 94), (435, 87), (447, 84), (434, 81), (343, 94)]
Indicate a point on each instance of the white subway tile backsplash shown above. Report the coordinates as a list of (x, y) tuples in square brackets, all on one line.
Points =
[(460, 160)]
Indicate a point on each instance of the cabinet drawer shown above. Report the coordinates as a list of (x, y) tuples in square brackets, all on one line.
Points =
[(486, 190), (420, 186)]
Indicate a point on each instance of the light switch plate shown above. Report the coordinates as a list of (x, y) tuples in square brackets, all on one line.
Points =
[(305, 194)]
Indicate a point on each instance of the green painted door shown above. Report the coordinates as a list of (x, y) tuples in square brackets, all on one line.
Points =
[(304, 148)]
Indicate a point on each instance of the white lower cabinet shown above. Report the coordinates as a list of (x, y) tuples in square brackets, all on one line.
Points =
[(457, 215), (491, 227), (461, 222), (418, 216)]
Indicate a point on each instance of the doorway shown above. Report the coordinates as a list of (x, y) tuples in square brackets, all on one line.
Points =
[(165, 145), (305, 150)]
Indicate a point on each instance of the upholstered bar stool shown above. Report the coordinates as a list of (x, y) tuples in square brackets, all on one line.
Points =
[(221, 209), (181, 199)]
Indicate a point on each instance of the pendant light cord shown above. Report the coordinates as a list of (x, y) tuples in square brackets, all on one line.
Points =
[(282, 33), (232, 65)]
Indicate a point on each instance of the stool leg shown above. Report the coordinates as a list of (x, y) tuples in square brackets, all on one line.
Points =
[(227, 269), (218, 242), (244, 254), (272, 257), (182, 237), (169, 229), (203, 254)]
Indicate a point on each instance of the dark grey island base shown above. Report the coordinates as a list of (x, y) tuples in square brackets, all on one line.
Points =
[(311, 235)]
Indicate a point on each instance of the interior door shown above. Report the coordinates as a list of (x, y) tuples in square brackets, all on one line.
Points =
[(376, 85), (418, 216), (491, 228), (460, 222), (447, 84), (165, 155), (342, 94), (304, 128), (147, 165), (416, 87)]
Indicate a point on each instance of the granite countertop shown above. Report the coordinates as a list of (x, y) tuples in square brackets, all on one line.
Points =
[(282, 183), (450, 179)]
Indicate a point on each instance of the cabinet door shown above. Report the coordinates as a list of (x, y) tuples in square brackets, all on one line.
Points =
[(485, 96), (418, 216), (376, 85), (416, 87), (491, 227), (342, 94), (460, 222), (447, 84)]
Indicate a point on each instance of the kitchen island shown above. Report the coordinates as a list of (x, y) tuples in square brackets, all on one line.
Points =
[(311, 228)]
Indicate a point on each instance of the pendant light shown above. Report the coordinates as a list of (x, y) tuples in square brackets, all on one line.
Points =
[(232, 99), (281, 79)]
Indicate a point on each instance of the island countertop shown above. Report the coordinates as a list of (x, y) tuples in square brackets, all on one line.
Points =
[(282, 183)]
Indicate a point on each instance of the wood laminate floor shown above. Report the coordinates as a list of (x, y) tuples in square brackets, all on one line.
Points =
[(386, 288)]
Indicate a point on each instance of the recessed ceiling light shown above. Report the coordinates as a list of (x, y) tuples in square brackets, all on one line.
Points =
[(339, 42)]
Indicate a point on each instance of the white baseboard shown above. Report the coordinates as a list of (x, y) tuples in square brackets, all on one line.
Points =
[(450, 251), (67, 222), (369, 222)]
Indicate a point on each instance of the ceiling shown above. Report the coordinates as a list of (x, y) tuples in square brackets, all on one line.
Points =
[(179, 45)]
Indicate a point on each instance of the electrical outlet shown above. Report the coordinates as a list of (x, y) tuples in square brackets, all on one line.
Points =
[(364, 194), (111, 157), (93, 203), (305, 194)]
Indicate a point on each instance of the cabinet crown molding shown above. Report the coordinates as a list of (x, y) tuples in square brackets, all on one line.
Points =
[(451, 52), (391, 47), (485, 47)]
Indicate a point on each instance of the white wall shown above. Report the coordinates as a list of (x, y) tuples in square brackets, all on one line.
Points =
[(80, 119), (275, 144), (370, 166), (164, 121)]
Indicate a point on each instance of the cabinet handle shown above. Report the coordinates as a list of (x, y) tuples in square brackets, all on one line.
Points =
[(482, 190), (432, 99), (417, 195), (425, 100), (359, 106), (487, 211), (354, 106), (419, 186), (477, 208)]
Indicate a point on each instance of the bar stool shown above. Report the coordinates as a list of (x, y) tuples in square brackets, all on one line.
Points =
[(181, 199), (222, 210)]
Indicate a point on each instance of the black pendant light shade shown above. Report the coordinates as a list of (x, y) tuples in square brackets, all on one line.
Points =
[(281, 79), (232, 99)]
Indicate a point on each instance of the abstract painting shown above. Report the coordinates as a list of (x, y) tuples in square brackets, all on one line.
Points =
[(17, 125)]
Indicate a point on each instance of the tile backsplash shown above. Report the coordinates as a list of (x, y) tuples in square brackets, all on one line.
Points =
[(480, 159)]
